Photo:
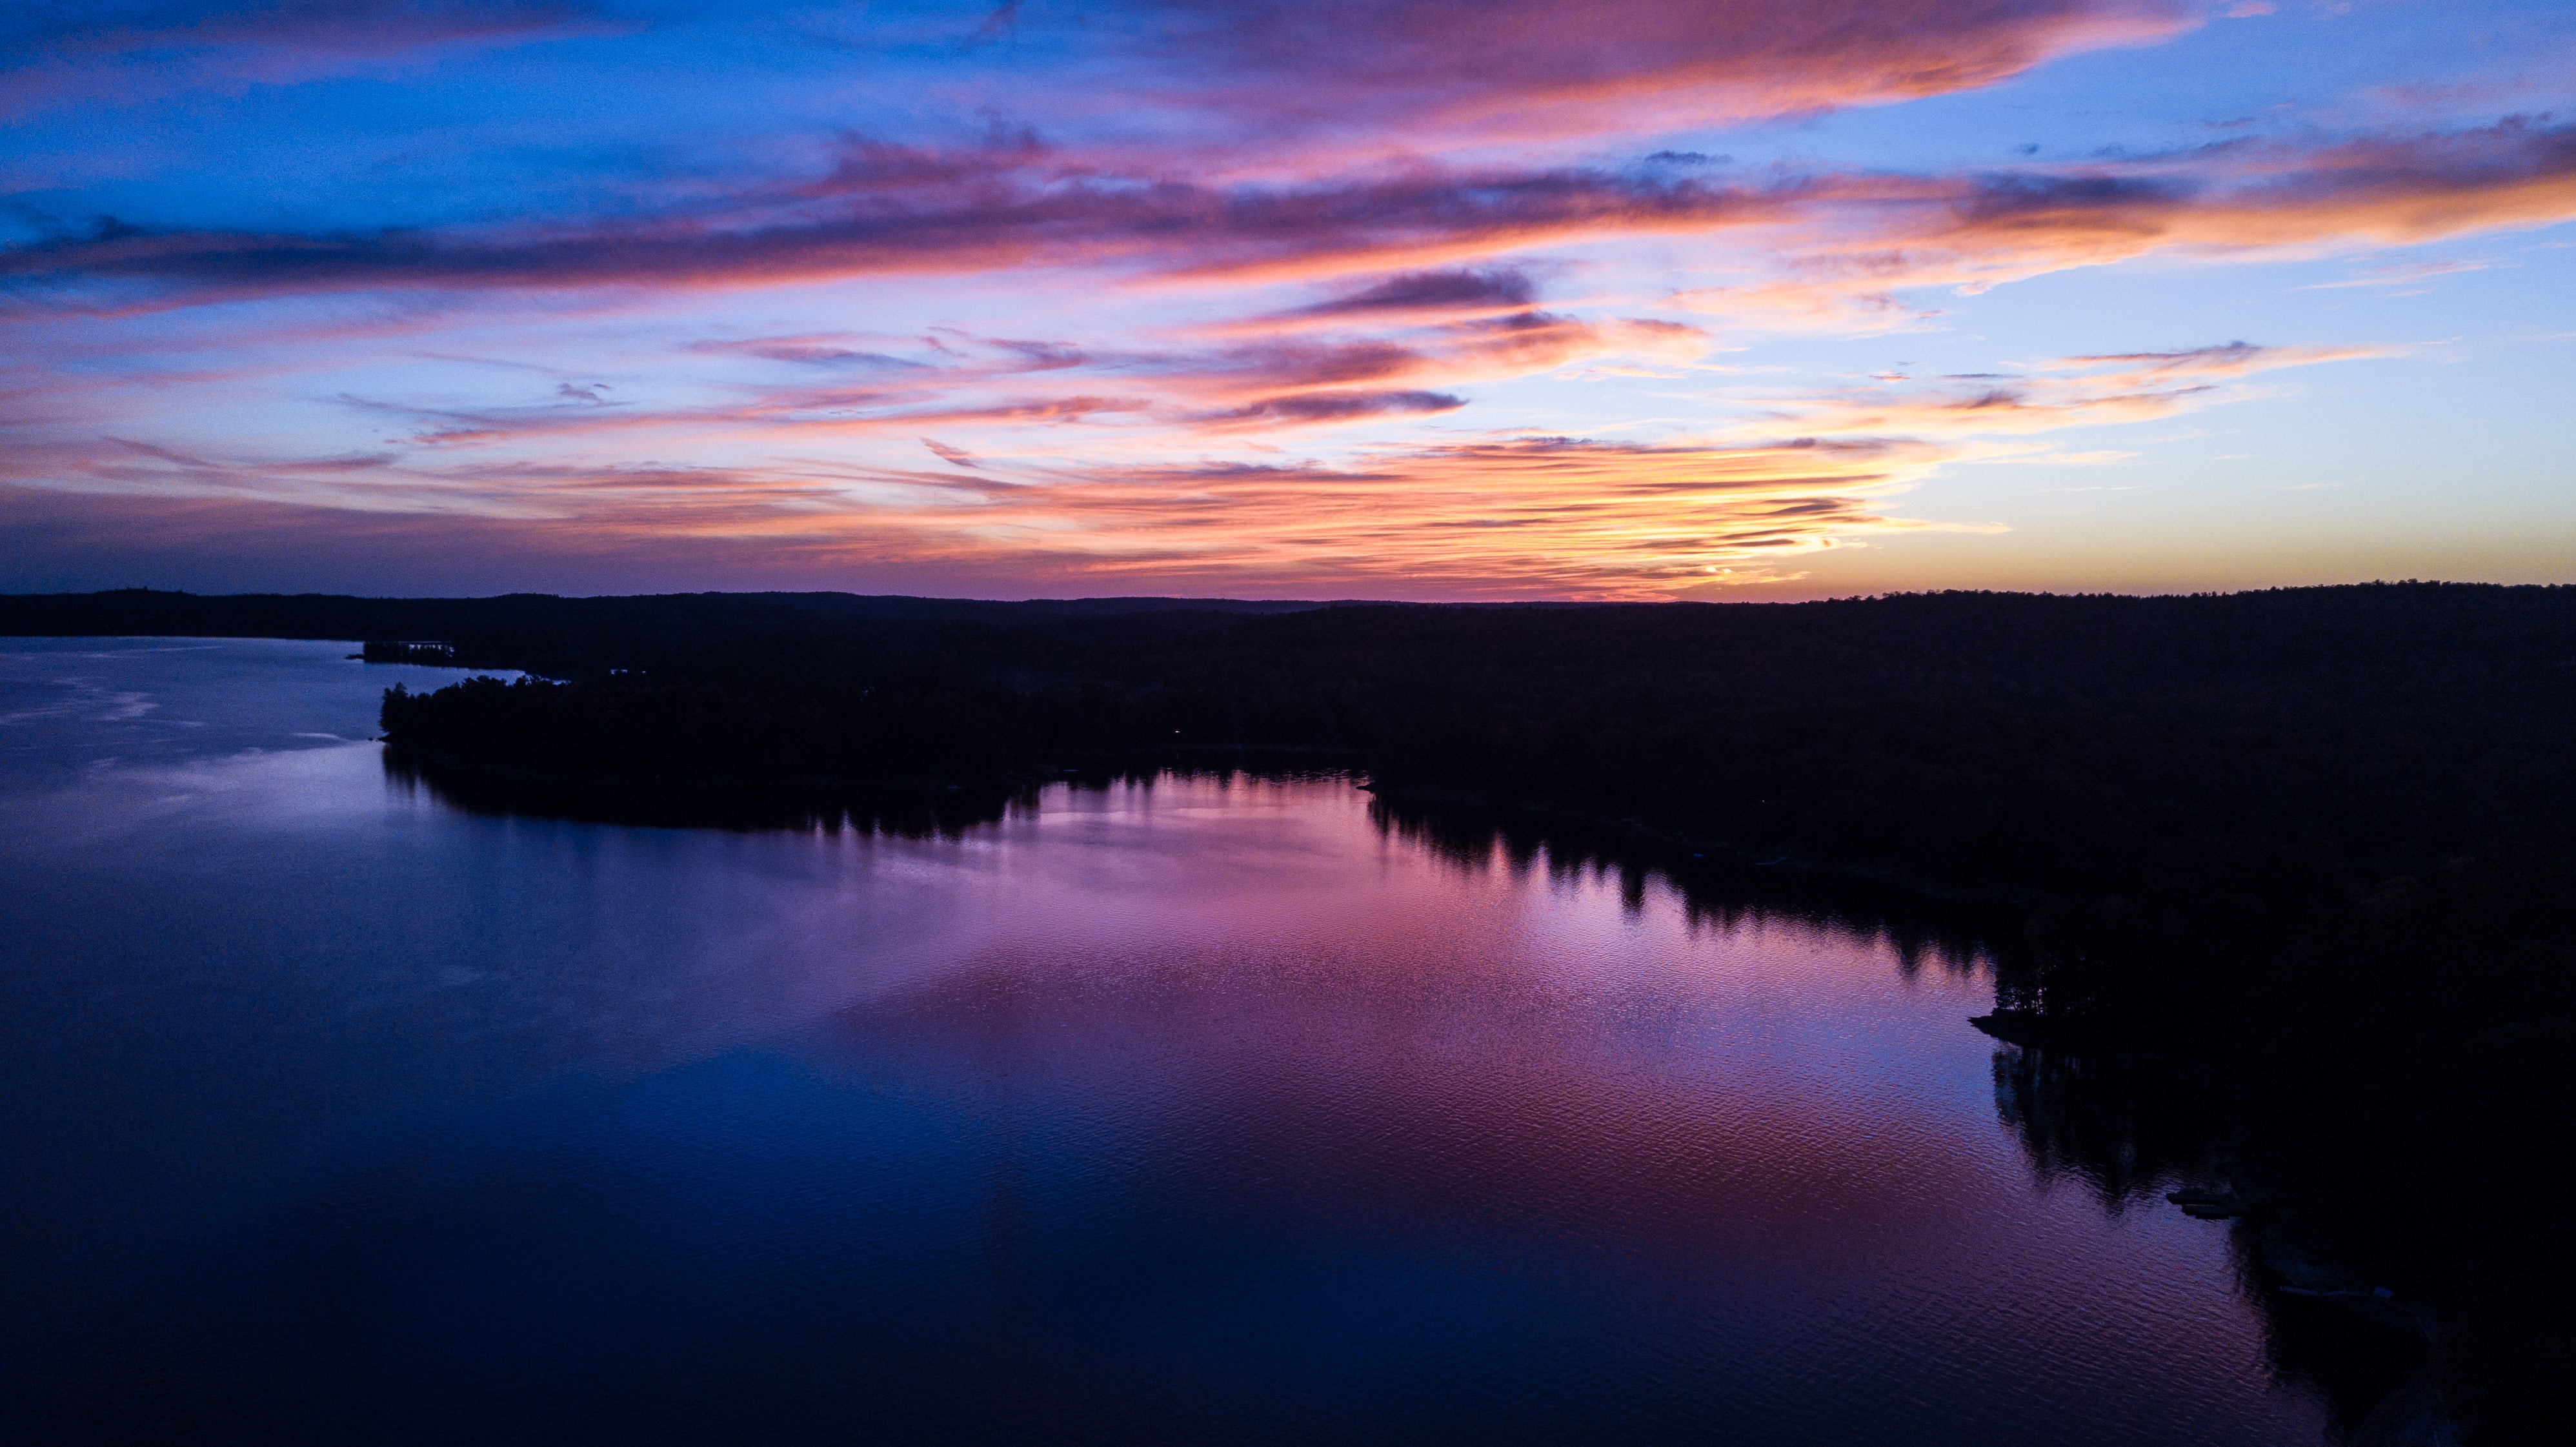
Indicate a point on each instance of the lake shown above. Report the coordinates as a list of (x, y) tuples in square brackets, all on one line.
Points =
[(1203, 1107)]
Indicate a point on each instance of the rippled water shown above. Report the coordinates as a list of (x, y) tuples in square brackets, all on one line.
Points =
[(1211, 1109)]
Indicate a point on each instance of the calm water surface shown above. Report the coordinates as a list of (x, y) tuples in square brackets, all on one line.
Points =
[(1210, 1110)]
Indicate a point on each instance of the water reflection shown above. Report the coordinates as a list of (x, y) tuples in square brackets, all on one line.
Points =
[(930, 812), (1178, 1107), (1958, 937), (2129, 1130), (2125, 1129)]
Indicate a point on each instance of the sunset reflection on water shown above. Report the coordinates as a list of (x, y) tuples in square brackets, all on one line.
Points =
[(1199, 1107)]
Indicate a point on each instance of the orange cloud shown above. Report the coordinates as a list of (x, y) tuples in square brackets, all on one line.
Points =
[(1510, 516)]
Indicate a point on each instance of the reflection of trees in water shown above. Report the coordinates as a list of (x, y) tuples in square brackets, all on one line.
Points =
[(2334, 1354), (1716, 894), (805, 806), (2127, 1129), (920, 811)]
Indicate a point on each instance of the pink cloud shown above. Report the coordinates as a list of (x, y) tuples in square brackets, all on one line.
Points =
[(1864, 239), (1474, 71), (1843, 237), (1268, 383)]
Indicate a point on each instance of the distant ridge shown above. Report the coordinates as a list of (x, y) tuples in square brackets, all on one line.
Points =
[(148, 611), (145, 612)]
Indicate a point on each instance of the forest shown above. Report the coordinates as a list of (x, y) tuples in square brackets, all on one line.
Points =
[(2320, 842)]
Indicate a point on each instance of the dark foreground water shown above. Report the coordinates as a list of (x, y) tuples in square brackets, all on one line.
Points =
[(1206, 1111)]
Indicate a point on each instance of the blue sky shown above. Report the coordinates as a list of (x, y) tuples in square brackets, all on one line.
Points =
[(1434, 300)]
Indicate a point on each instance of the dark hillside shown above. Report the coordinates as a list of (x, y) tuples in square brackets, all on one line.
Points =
[(566, 636)]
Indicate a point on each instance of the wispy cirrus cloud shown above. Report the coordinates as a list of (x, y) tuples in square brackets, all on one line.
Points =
[(1433, 71), (1843, 240), (1417, 296), (61, 54), (1252, 69), (1264, 383), (2411, 279), (2062, 392), (899, 211), (1971, 233)]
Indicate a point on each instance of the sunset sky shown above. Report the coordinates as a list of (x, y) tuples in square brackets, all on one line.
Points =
[(1505, 299)]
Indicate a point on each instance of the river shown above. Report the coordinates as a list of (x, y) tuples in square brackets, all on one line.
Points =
[(1196, 1108)]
